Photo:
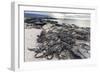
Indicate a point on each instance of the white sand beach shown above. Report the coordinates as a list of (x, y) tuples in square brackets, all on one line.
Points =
[(30, 42)]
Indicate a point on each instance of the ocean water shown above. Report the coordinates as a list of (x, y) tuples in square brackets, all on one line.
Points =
[(82, 20), (78, 22)]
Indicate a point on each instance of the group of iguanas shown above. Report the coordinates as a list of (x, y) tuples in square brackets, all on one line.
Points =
[(63, 41)]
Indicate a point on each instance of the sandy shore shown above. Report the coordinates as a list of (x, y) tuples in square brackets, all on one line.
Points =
[(30, 42)]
